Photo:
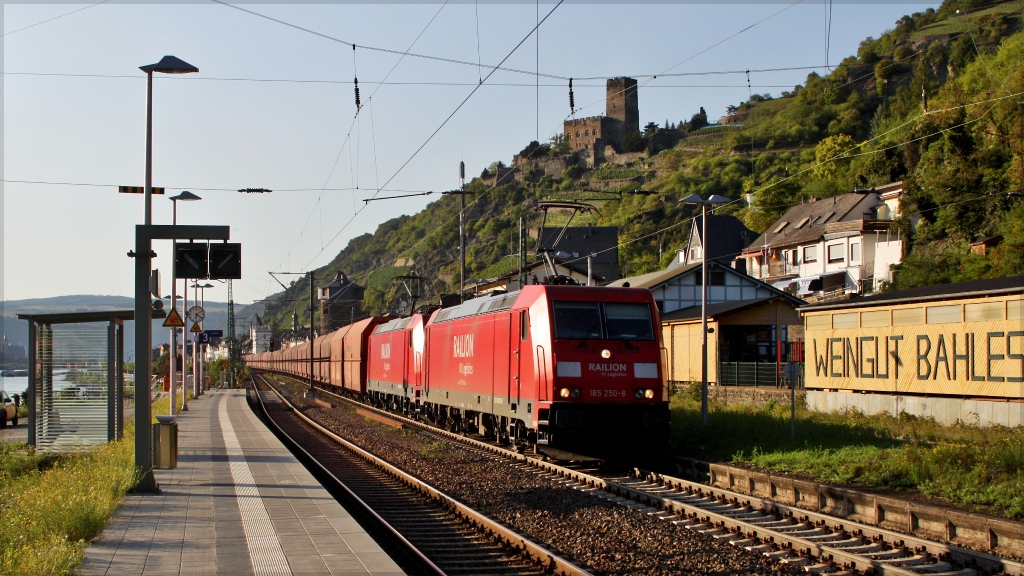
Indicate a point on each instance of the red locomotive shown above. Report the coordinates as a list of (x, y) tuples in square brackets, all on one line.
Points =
[(545, 365)]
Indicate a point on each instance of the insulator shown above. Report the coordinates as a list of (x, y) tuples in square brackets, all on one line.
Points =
[(357, 93), (572, 101)]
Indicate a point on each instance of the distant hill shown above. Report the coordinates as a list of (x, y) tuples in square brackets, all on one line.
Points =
[(16, 331)]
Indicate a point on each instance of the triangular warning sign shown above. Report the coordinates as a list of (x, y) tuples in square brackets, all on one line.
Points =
[(196, 328), (173, 319)]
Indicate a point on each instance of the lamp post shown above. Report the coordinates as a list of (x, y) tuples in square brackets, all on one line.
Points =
[(187, 197), (197, 357), (695, 200), (143, 309)]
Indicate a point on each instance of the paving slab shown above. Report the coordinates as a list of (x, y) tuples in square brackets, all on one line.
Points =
[(239, 503)]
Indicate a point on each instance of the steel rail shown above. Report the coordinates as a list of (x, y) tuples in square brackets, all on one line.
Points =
[(364, 508), (553, 563)]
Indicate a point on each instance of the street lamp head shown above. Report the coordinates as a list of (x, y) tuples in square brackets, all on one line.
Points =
[(207, 285), (170, 65), (718, 199), (692, 199), (186, 196)]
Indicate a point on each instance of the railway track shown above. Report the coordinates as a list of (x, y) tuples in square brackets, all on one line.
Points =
[(432, 532), (815, 542)]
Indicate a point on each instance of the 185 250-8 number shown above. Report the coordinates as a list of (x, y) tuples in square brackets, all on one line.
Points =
[(612, 393)]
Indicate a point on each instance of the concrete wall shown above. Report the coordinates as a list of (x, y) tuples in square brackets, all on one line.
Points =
[(997, 536), (751, 396), (945, 411)]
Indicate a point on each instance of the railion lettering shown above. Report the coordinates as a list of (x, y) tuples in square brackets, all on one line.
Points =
[(602, 367), (462, 346)]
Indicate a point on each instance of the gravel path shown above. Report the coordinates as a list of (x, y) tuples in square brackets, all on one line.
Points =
[(608, 539)]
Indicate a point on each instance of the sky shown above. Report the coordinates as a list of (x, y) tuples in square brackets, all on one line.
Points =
[(272, 106)]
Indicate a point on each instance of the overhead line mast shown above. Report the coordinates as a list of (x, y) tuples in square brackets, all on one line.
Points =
[(461, 193)]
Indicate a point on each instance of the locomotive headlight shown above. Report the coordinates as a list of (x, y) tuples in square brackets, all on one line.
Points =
[(563, 392), (606, 353), (575, 393), (639, 393), (649, 394)]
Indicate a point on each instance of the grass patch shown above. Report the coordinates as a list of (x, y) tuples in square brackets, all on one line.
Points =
[(52, 506), (979, 468), (436, 450), (162, 405), (965, 22)]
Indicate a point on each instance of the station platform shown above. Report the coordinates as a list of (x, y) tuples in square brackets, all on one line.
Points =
[(239, 503)]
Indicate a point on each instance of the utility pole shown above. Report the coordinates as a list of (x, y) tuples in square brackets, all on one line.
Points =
[(312, 311), (522, 274), (312, 315), (462, 229), (461, 192), (232, 344)]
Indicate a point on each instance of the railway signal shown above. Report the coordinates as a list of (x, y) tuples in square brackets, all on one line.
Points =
[(190, 260), (218, 261), (225, 261)]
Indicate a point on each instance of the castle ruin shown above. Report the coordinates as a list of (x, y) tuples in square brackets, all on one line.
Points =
[(622, 116)]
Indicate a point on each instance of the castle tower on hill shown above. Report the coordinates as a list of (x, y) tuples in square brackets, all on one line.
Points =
[(621, 105), (622, 116)]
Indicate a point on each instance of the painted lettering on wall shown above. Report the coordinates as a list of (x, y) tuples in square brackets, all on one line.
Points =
[(981, 357)]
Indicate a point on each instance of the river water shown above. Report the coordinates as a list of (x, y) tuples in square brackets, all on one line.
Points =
[(19, 384)]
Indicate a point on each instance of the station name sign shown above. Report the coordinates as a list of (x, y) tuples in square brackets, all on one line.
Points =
[(970, 349), (988, 357)]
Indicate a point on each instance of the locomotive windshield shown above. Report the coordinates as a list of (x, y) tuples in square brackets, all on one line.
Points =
[(602, 321)]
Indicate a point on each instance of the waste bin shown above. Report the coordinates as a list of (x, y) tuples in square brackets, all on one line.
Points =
[(165, 442)]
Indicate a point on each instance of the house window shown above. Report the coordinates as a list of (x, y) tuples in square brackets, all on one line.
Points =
[(855, 252), (836, 253), (694, 254), (716, 278), (810, 254), (780, 227)]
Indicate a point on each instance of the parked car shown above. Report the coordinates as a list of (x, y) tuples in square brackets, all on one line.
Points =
[(10, 410)]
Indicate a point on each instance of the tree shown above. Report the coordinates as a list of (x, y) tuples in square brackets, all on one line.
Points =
[(559, 145), (533, 150), (830, 154), (633, 141)]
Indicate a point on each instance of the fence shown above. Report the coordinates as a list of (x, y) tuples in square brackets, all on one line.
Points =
[(777, 375)]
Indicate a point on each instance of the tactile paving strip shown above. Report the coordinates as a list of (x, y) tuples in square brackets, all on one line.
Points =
[(265, 551)]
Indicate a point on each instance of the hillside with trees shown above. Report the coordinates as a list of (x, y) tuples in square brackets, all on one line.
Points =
[(937, 102)]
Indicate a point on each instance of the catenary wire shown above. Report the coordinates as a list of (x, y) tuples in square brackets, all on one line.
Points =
[(443, 124), (6, 34)]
